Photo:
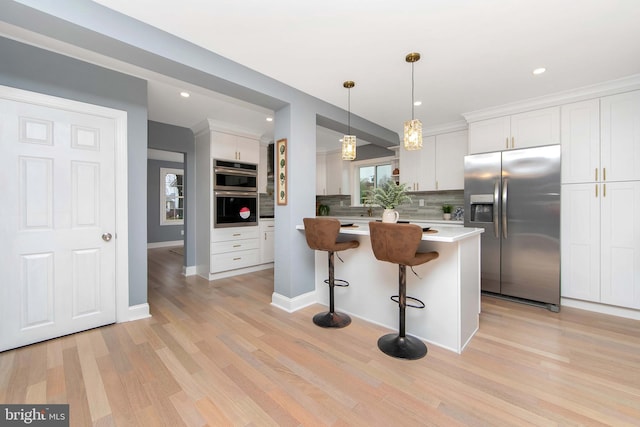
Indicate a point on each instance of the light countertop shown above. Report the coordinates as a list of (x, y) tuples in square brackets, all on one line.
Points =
[(444, 233)]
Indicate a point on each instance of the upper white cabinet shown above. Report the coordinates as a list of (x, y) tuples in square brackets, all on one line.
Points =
[(416, 166), (449, 161), (580, 135), (438, 166), (227, 146), (601, 139), (332, 174), (530, 129), (620, 137), (321, 174)]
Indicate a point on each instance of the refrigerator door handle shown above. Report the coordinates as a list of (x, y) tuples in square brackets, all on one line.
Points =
[(496, 206), (505, 186)]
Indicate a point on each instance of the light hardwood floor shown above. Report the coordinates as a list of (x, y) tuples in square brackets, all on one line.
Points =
[(217, 353)]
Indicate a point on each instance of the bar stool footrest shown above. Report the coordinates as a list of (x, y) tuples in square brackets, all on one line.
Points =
[(338, 282), (406, 347), (396, 299), (328, 319)]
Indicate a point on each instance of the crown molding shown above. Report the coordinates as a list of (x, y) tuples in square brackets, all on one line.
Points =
[(214, 125), (610, 87), (446, 128)]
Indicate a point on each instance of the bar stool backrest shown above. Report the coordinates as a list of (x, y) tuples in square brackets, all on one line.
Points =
[(322, 233), (398, 243)]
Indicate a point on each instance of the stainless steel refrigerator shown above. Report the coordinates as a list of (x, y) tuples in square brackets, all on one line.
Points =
[(515, 196)]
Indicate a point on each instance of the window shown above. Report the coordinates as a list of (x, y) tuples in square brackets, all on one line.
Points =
[(171, 196), (371, 176)]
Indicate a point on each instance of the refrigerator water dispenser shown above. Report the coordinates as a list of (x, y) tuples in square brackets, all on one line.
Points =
[(481, 207)]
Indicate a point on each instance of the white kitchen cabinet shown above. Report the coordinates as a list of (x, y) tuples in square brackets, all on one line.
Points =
[(580, 141), (234, 247), (529, 129), (220, 252), (580, 241), (337, 174), (438, 166), (601, 243), (417, 169), (620, 241), (262, 169), (321, 174), (227, 146), (267, 235), (332, 174), (620, 137), (449, 160)]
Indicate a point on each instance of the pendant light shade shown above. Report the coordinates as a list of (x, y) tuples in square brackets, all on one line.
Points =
[(413, 127), (349, 141)]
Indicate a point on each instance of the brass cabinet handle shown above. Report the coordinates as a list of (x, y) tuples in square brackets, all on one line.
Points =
[(596, 174), (506, 142), (596, 191), (604, 174), (604, 190), (513, 143)]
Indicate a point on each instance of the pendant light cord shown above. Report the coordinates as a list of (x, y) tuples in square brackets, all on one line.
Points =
[(349, 107), (412, 86)]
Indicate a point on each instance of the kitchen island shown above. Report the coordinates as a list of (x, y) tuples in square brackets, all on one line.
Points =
[(448, 285)]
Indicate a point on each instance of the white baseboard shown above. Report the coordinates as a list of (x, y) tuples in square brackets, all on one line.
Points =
[(293, 304), (165, 244), (628, 313), (237, 272), (189, 271), (137, 312)]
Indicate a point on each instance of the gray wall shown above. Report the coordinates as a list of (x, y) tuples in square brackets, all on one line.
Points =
[(29, 68), (155, 232), (180, 140), (91, 26)]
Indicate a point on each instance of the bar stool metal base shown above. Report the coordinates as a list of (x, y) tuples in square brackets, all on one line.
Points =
[(332, 320), (406, 347)]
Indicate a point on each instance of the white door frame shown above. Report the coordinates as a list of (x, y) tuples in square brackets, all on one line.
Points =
[(121, 181)]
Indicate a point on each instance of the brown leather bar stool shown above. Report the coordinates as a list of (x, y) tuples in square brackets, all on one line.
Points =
[(398, 244), (321, 234)]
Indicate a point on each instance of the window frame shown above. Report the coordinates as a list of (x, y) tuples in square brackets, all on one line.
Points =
[(163, 196), (355, 175)]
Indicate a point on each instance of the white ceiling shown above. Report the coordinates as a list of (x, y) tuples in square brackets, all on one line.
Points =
[(475, 53)]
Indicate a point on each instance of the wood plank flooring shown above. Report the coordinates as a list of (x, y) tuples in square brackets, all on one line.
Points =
[(217, 353)]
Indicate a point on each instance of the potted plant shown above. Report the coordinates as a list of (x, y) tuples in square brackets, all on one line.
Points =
[(389, 196), (446, 211)]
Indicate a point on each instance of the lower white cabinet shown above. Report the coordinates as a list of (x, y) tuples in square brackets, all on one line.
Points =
[(601, 243), (267, 235), (233, 248)]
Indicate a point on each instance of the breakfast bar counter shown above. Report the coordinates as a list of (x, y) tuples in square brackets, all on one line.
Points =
[(448, 285)]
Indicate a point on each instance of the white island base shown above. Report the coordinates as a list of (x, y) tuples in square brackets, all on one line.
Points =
[(448, 285)]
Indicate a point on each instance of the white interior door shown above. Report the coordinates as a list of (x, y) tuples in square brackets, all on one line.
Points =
[(57, 256)]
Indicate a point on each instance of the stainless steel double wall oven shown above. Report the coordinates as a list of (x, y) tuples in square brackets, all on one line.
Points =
[(235, 190)]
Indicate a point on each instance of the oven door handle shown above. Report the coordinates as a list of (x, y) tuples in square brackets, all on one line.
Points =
[(232, 171), (235, 193)]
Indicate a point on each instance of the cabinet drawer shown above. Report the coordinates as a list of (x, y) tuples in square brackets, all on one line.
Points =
[(267, 225), (234, 233), (234, 260), (234, 246)]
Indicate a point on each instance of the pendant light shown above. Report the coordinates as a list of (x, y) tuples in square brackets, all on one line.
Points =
[(349, 141), (413, 127)]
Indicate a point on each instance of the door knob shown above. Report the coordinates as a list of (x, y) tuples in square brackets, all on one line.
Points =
[(106, 237)]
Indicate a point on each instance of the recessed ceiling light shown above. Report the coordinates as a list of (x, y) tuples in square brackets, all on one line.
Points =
[(269, 119), (185, 94), (417, 103), (539, 70)]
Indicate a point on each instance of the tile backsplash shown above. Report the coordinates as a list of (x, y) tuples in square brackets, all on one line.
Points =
[(432, 209)]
